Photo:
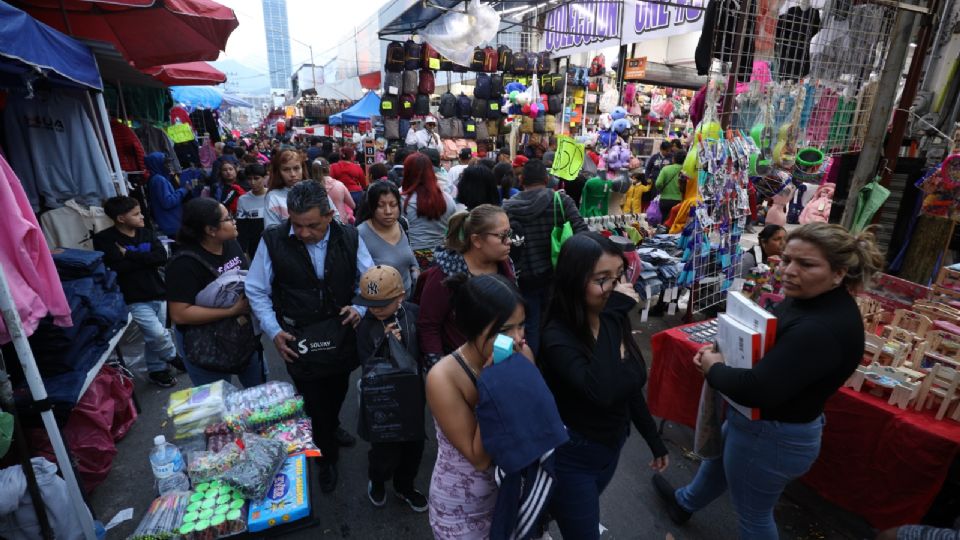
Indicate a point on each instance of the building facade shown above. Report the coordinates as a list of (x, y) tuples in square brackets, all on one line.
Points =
[(278, 44)]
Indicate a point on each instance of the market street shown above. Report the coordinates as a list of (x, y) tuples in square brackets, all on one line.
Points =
[(629, 507)]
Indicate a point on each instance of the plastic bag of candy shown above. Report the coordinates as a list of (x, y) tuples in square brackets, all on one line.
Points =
[(193, 409), (206, 466), (162, 518), (296, 434), (218, 435), (256, 407), (260, 460)]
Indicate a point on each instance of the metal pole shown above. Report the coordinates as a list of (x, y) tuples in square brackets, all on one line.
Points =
[(900, 116), (880, 112), (11, 317), (313, 67), (119, 183)]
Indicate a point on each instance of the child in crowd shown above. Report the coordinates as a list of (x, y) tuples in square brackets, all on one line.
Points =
[(135, 254), (251, 208), (382, 291)]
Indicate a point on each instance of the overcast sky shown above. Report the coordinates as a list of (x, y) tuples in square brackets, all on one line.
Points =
[(322, 24)]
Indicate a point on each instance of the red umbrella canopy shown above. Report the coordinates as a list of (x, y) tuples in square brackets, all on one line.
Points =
[(147, 32), (187, 74)]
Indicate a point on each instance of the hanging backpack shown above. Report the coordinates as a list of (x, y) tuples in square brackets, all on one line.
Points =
[(544, 63), (395, 57), (464, 106), (469, 129), (493, 109), (520, 66), (408, 105), (429, 58), (550, 123), (427, 84), (504, 59), (482, 90), (458, 68), (445, 63), (555, 103), (476, 63), (391, 128), (482, 133), (489, 59), (493, 128), (389, 106), (533, 60), (547, 84), (404, 128), (422, 107), (411, 54), (597, 66), (496, 86), (448, 105), (479, 108), (392, 83), (540, 124), (411, 80), (446, 127)]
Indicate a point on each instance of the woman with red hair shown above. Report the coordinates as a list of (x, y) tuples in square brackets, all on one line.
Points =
[(426, 207), (350, 173)]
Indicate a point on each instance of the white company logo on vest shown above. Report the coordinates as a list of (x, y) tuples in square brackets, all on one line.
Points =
[(581, 25), (646, 20)]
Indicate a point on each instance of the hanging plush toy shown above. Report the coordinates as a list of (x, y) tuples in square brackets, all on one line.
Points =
[(607, 138), (618, 113), (605, 121), (617, 157), (621, 126), (514, 101)]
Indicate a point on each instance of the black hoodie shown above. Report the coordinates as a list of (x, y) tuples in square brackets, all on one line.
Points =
[(533, 211)]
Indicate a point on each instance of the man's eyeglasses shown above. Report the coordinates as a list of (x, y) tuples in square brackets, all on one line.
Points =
[(604, 282), (228, 219), (505, 236)]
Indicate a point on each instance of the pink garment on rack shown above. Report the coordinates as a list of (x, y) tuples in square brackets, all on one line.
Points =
[(819, 126), (178, 113), (27, 263)]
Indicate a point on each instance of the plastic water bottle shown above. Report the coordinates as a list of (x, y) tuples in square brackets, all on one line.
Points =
[(167, 464)]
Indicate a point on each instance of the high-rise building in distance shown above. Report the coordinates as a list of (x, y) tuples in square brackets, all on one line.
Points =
[(278, 42)]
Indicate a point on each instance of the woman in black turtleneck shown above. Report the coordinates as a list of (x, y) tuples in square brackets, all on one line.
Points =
[(819, 344)]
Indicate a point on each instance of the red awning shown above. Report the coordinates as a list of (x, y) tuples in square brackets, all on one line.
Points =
[(187, 74), (147, 32), (370, 81)]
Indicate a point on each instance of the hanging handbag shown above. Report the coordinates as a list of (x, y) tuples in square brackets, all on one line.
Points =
[(560, 232)]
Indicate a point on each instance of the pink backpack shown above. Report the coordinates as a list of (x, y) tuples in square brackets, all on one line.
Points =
[(818, 209)]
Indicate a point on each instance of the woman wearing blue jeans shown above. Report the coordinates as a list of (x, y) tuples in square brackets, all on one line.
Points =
[(596, 373), (819, 344)]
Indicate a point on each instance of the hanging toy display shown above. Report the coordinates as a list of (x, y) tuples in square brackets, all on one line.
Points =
[(941, 188), (809, 166)]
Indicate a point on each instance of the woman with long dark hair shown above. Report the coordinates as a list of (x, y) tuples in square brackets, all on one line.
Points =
[(596, 372), (426, 207), (477, 186), (770, 242), (209, 233), (506, 180), (381, 231)]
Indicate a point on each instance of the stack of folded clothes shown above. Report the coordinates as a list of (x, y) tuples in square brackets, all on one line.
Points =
[(660, 258), (65, 355)]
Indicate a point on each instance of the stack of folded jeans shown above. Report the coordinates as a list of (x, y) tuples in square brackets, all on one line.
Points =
[(98, 311), (660, 257)]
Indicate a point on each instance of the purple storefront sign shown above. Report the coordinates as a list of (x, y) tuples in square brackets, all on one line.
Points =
[(580, 25), (645, 21)]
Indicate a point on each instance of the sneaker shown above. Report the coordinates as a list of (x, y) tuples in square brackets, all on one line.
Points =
[(345, 439), (376, 493), (162, 379), (414, 499), (669, 495), (177, 363), (328, 477)]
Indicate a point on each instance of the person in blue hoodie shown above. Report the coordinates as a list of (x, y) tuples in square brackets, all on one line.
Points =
[(166, 200)]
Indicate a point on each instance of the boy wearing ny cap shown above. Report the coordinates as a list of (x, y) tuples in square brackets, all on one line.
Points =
[(382, 292)]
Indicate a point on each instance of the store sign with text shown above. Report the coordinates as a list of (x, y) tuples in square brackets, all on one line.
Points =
[(644, 21), (582, 26)]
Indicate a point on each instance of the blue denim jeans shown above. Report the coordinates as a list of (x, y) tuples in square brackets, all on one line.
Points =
[(151, 317), (535, 296), (583, 468), (759, 459)]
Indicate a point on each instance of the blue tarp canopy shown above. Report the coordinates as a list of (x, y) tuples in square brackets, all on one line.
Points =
[(208, 97), (369, 105), (28, 46)]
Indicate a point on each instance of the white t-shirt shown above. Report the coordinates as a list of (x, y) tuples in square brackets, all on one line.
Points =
[(250, 206)]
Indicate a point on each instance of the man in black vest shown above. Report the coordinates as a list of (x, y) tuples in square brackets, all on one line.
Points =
[(300, 286)]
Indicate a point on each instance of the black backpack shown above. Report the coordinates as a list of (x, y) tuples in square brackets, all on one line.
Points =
[(476, 63), (389, 106), (448, 105), (422, 106), (412, 52), (555, 103), (544, 63), (464, 106), (445, 63), (469, 129), (395, 55), (480, 107), (482, 90), (493, 109), (504, 58), (520, 66), (496, 86), (224, 346)]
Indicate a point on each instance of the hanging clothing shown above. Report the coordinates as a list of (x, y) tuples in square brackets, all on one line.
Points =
[(73, 225), (208, 154), (129, 148), (26, 261), (204, 121), (155, 139), (53, 146), (180, 133), (795, 29), (188, 153), (819, 127), (869, 200), (722, 39), (179, 114)]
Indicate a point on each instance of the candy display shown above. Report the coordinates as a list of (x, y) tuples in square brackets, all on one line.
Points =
[(297, 434), (260, 460), (218, 435), (195, 408), (286, 500), (224, 517), (162, 518), (256, 408), (206, 466)]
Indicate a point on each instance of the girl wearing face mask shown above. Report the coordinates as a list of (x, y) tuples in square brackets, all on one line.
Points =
[(596, 372), (477, 243), (384, 236), (463, 491), (819, 344)]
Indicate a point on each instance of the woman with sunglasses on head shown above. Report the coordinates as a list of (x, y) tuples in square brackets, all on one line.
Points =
[(478, 242), (596, 372)]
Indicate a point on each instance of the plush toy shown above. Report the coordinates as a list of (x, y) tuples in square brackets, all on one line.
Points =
[(605, 121), (607, 138), (618, 113), (622, 125), (514, 93), (617, 157)]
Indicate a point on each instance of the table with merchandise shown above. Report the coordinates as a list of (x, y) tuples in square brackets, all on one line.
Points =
[(881, 462)]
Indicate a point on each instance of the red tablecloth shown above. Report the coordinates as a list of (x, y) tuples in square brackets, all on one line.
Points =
[(877, 461)]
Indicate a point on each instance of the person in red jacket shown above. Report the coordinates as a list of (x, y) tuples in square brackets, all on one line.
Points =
[(350, 173)]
